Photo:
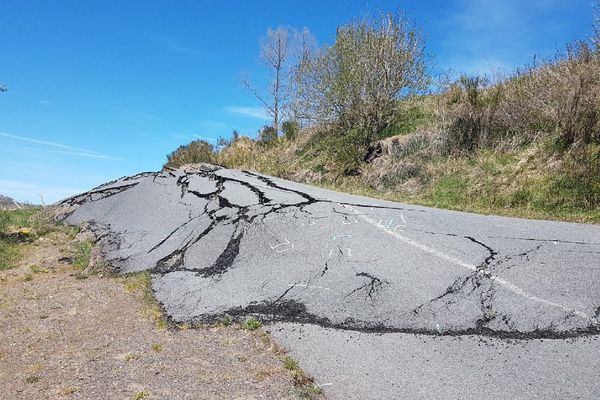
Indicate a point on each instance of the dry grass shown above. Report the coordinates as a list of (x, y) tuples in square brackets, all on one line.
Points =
[(101, 337)]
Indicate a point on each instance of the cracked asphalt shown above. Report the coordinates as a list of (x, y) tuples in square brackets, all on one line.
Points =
[(378, 300)]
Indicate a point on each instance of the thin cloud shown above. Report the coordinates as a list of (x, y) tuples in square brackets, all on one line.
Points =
[(129, 111), (173, 45), (486, 36), (253, 112), (75, 153), (205, 138), (64, 148)]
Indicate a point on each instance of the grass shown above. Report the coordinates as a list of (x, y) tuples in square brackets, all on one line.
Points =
[(131, 357), (252, 324), (141, 282), (22, 226), (83, 252), (157, 348), (32, 379), (143, 395)]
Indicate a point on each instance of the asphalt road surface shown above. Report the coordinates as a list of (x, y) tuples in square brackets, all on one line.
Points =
[(378, 300)]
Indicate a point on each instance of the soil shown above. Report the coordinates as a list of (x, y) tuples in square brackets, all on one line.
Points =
[(70, 335)]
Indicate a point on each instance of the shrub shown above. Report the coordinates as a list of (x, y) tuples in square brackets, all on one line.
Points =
[(198, 151), (290, 130)]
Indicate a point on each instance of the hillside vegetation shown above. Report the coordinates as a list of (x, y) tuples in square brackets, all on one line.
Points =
[(527, 144)]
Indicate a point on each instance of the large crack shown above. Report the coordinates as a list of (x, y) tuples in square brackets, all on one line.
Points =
[(220, 211)]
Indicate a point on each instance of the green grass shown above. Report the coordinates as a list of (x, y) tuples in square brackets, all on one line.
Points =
[(9, 254), (141, 282), (252, 324), (83, 253), (11, 221), (408, 120)]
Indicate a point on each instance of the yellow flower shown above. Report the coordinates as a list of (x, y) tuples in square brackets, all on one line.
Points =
[(24, 231)]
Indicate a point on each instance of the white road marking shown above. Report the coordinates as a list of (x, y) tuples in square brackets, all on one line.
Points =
[(402, 217), (457, 261), (308, 286)]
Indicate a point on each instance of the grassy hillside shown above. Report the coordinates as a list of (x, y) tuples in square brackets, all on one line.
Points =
[(525, 145)]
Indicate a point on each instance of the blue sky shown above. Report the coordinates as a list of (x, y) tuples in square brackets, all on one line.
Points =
[(102, 89)]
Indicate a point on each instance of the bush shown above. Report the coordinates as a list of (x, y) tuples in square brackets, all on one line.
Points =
[(290, 130), (267, 135), (198, 151), (559, 97)]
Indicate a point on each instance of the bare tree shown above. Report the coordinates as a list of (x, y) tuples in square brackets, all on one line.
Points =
[(596, 37), (280, 49)]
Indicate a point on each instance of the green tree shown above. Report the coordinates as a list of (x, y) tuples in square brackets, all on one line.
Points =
[(290, 129), (267, 135), (356, 82)]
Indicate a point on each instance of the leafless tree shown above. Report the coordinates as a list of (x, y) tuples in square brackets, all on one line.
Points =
[(280, 49)]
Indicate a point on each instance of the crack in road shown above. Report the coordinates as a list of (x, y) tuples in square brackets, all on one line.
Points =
[(231, 217)]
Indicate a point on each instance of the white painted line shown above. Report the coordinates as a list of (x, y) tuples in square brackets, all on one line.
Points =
[(308, 286), (402, 217), (457, 261)]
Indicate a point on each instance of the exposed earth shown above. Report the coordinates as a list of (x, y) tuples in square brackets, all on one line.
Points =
[(67, 334), (377, 299)]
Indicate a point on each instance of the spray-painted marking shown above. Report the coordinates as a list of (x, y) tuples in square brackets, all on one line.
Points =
[(339, 250), (457, 261), (287, 243), (341, 236), (308, 286)]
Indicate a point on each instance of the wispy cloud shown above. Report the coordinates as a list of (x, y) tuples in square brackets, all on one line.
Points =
[(44, 102), (173, 45), (55, 147), (206, 138), (497, 35), (253, 112), (129, 111)]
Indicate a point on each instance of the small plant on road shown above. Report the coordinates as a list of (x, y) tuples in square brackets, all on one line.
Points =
[(252, 324)]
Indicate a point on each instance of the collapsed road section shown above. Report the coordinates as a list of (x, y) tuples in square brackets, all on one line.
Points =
[(222, 242)]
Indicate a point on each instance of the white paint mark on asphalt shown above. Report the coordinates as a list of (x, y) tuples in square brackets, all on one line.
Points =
[(457, 261), (308, 286), (282, 250), (402, 217), (340, 236), (339, 250)]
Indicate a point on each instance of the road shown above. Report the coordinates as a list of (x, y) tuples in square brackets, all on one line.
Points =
[(377, 300)]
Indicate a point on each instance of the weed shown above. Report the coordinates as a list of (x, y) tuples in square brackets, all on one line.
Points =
[(38, 270), (82, 255), (263, 374), (9, 255), (131, 357), (32, 379), (143, 395), (310, 391), (68, 391), (226, 321), (27, 278), (157, 348), (141, 282), (290, 363), (252, 324)]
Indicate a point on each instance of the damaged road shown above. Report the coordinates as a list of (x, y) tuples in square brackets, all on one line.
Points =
[(326, 267)]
